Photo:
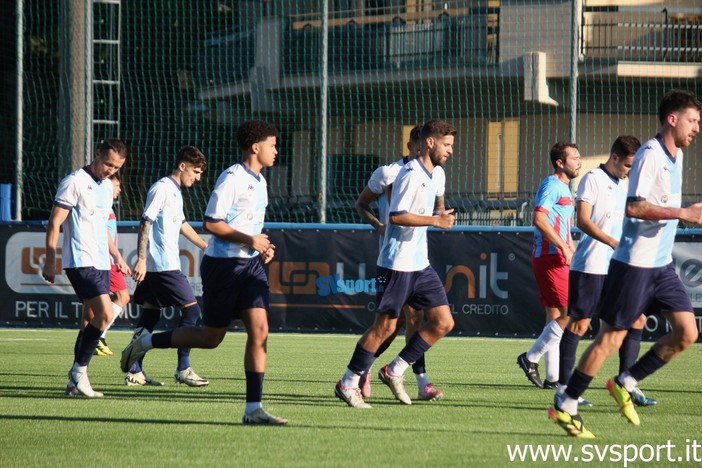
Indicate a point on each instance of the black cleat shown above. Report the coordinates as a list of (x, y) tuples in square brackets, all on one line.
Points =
[(531, 370)]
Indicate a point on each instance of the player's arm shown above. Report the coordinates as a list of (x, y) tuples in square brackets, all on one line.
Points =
[(541, 223), (53, 229), (443, 220), (585, 224), (189, 233), (439, 204), (139, 270), (224, 231), (643, 209), (362, 206), (117, 256)]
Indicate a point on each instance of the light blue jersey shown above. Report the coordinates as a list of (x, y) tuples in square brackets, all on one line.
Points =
[(383, 178), (239, 199), (414, 191), (85, 230), (164, 210), (656, 176), (607, 196)]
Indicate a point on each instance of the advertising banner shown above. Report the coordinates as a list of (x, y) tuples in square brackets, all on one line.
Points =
[(323, 280)]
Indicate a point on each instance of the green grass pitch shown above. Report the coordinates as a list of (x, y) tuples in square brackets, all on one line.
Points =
[(489, 407)]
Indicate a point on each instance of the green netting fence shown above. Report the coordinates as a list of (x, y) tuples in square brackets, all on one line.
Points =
[(504, 72)]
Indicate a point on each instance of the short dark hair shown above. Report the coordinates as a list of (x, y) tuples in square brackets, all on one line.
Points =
[(625, 145), (559, 151), (677, 100), (437, 128), (254, 131), (191, 155), (113, 144), (415, 133)]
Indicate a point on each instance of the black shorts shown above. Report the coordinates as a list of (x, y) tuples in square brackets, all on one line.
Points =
[(89, 282), (584, 292), (164, 289), (629, 291), (231, 285), (419, 289)]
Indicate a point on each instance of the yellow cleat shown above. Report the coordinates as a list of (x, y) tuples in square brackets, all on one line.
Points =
[(573, 425), (623, 399), (102, 349)]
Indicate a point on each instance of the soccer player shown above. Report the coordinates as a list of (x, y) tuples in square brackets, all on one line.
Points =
[(160, 282), (82, 205), (404, 272), (600, 211), (641, 275), (378, 188), (234, 282), (118, 286), (550, 260)]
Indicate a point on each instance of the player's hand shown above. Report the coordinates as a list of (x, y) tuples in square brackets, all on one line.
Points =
[(692, 214), (48, 272), (267, 256), (568, 255), (123, 267), (260, 243), (139, 271), (445, 219)]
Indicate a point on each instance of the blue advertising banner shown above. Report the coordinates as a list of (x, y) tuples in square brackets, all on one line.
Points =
[(323, 279)]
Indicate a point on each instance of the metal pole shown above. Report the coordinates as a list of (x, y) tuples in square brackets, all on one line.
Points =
[(88, 83), (19, 162), (323, 112), (574, 59)]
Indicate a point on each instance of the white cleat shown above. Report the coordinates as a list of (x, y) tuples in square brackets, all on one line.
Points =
[(190, 378), (79, 385), (259, 416), (396, 383), (351, 395), (134, 350)]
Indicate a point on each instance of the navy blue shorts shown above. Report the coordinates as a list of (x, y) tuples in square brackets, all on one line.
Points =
[(419, 289), (629, 291), (89, 282), (231, 285), (584, 292), (164, 289)]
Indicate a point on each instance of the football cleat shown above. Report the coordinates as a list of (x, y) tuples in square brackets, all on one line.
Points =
[(260, 416), (351, 395), (430, 393), (140, 378), (79, 385), (623, 399), (640, 399), (190, 378), (531, 370), (396, 383), (102, 349), (134, 350), (573, 425)]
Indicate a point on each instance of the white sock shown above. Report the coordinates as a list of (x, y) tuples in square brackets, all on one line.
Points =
[(552, 363), (422, 381), (398, 366), (79, 369), (569, 405), (350, 379), (252, 406), (628, 381), (116, 310), (551, 334)]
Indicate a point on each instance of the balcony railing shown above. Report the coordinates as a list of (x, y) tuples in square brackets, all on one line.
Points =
[(649, 37)]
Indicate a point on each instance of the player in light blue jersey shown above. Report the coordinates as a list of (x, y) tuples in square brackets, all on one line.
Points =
[(234, 282), (160, 281), (81, 207), (404, 271), (378, 189), (600, 206), (641, 275), (550, 260)]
